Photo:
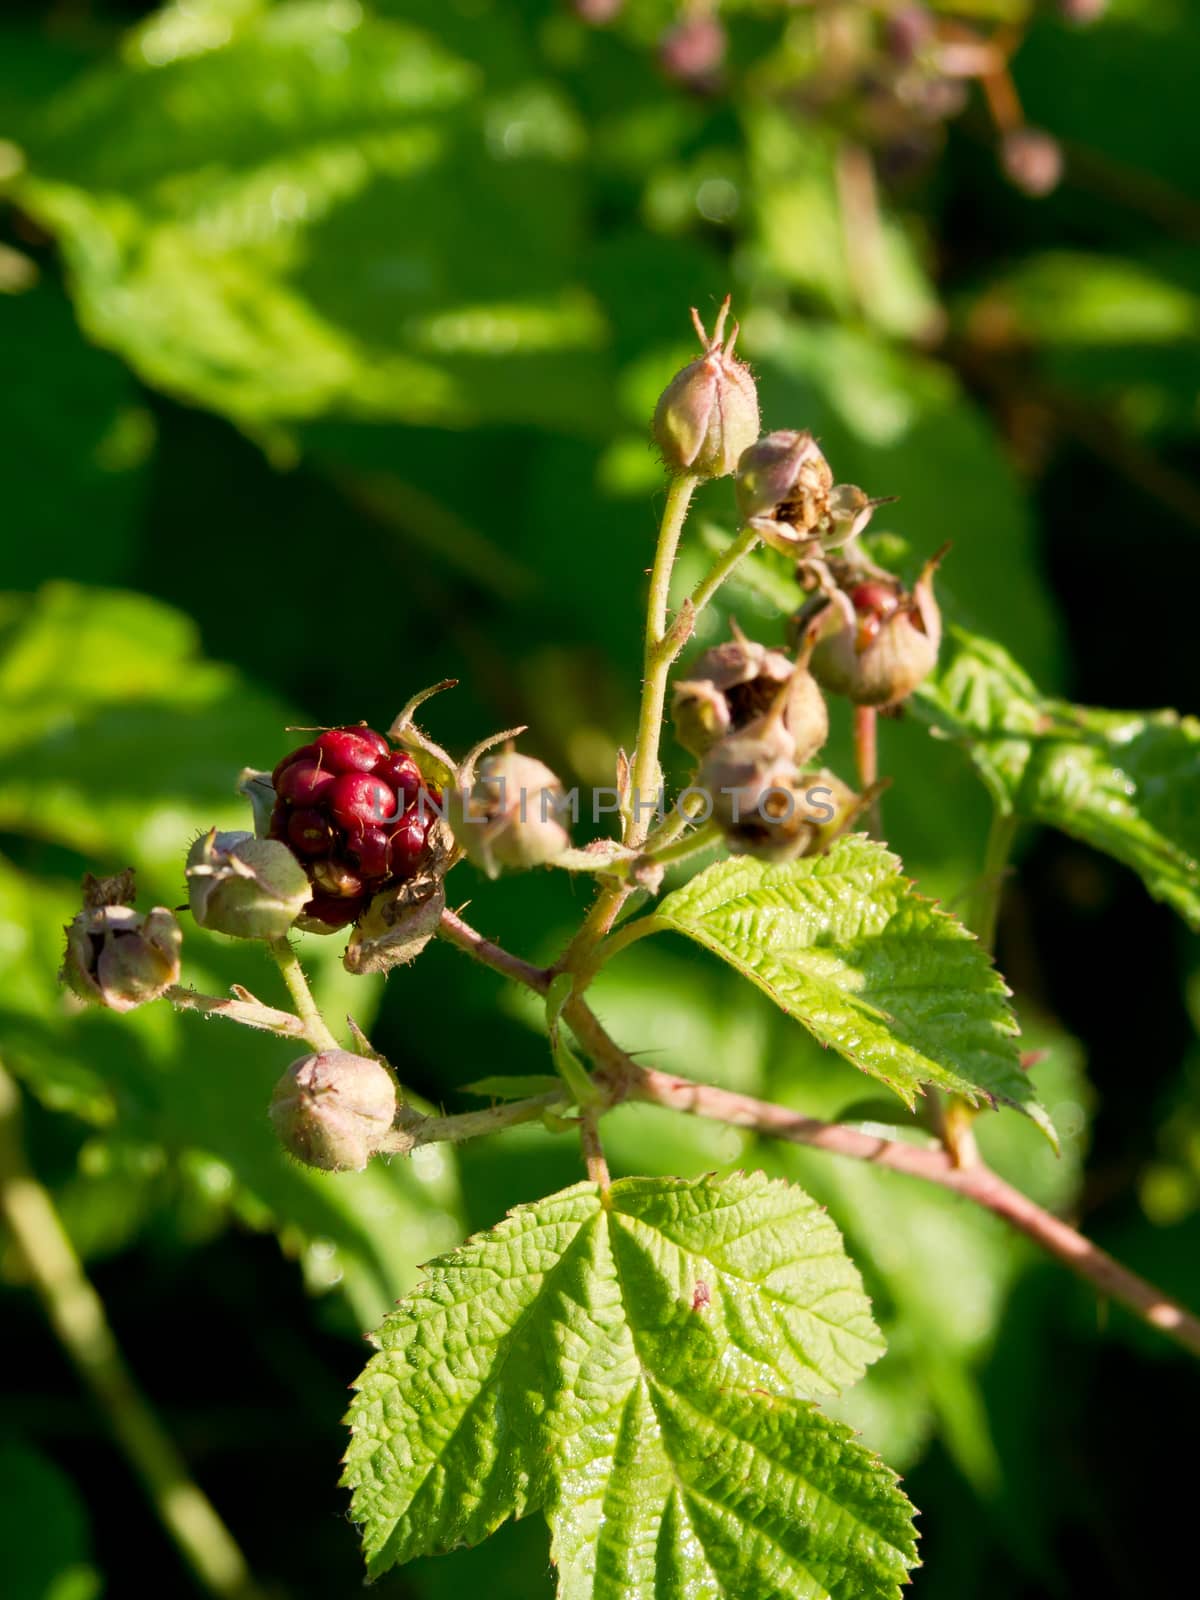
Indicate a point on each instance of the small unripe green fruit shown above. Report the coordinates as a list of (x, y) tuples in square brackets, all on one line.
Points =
[(334, 1110)]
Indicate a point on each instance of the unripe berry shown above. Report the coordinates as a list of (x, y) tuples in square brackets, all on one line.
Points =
[(708, 413), (732, 684), (508, 818), (693, 51), (878, 655), (247, 887), (334, 1110), (118, 957)]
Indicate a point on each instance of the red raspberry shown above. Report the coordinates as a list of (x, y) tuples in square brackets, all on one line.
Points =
[(337, 878), (351, 749), (402, 772), (369, 847), (361, 800), (304, 783), (309, 833), (338, 913), (356, 814), (408, 841), (306, 752)]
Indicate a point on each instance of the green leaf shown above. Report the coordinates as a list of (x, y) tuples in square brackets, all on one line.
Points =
[(845, 944), (1125, 782), (296, 210), (77, 441), (640, 1362)]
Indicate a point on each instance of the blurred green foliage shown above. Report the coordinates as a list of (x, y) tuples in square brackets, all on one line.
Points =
[(331, 334)]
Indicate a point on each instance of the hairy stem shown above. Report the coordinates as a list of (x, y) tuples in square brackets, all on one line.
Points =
[(644, 778), (619, 1077), (455, 931), (416, 1129), (249, 1012), (315, 1029), (721, 568), (77, 1315)]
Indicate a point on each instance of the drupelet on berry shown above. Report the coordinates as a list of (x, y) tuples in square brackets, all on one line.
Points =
[(357, 814)]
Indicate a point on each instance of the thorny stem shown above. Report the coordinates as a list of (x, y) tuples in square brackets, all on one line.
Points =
[(593, 1150), (619, 1077), (656, 661), (315, 1029), (76, 1313), (866, 759)]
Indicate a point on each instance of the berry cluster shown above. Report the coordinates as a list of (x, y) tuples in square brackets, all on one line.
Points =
[(350, 808)]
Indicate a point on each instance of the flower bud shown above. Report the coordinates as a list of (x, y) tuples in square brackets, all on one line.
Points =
[(116, 956), (509, 816), (708, 414), (1082, 11), (734, 683), (876, 644), (794, 819), (250, 888), (783, 489), (1032, 161), (692, 52), (742, 771), (335, 1110)]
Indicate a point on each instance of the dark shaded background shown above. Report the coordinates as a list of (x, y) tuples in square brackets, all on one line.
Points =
[(343, 558)]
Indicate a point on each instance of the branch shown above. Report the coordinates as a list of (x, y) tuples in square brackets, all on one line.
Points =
[(460, 934), (935, 1165), (620, 1077)]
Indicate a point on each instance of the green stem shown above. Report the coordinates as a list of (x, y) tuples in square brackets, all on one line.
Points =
[(416, 1130), (985, 902), (721, 568), (669, 852), (76, 1313), (603, 953), (315, 1029), (644, 779), (955, 1118)]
